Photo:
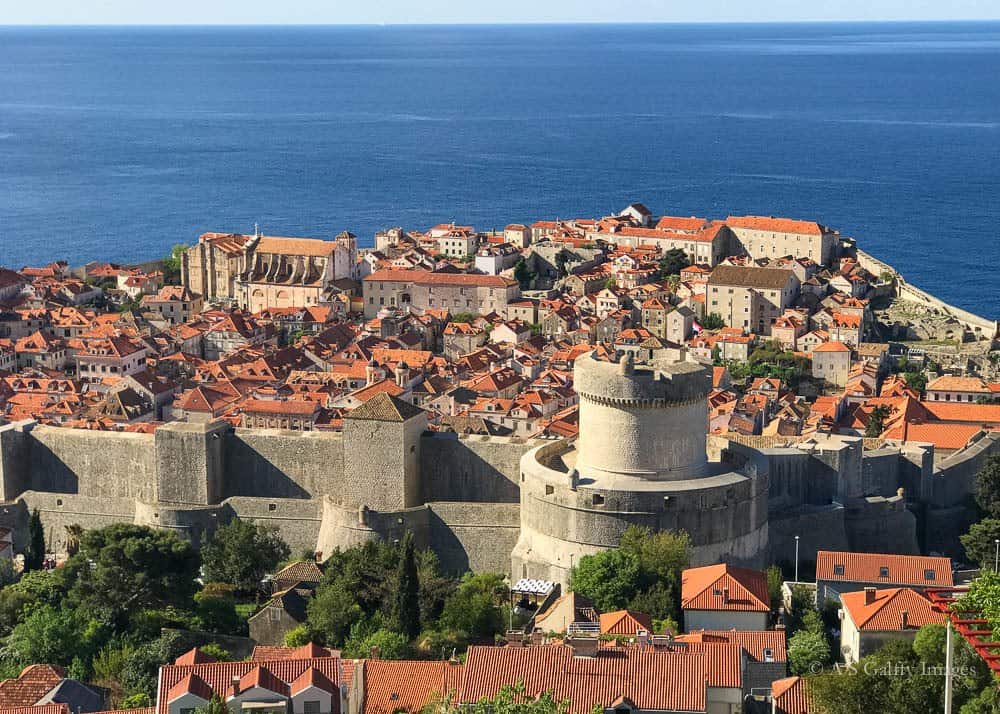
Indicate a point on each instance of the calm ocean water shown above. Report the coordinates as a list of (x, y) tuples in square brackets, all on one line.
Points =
[(117, 143)]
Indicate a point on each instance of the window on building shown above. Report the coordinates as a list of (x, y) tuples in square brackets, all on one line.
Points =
[(838, 569), (929, 575), (883, 572), (187, 710), (310, 707), (598, 499)]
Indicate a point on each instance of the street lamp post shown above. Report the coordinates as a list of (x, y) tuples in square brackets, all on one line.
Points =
[(796, 559), (996, 556)]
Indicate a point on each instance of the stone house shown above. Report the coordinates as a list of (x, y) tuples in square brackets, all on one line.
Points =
[(174, 304), (832, 362), (39, 350), (462, 338), (285, 611), (423, 290), (959, 389), (679, 325), (117, 356), (751, 298), (654, 314), (770, 237)]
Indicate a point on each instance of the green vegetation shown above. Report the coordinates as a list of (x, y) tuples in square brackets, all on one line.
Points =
[(391, 596), (712, 321), (522, 275), (876, 422), (902, 677), (511, 699), (980, 542), (771, 360), (643, 574), (35, 553), (172, 265), (463, 317), (240, 553), (673, 262), (101, 615)]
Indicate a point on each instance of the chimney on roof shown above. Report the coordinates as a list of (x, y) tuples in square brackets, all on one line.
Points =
[(642, 638), (869, 596), (236, 686), (725, 595), (904, 618), (374, 652), (583, 646)]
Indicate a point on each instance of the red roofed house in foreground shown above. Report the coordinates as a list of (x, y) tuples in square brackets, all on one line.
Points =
[(721, 597), (289, 685), (872, 617)]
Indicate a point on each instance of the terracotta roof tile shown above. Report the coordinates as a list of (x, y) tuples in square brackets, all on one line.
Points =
[(885, 612), (705, 589), (841, 566)]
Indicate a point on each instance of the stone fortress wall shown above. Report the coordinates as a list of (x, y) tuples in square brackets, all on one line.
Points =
[(472, 500)]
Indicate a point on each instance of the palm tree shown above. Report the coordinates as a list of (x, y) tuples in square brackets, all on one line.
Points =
[(73, 533)]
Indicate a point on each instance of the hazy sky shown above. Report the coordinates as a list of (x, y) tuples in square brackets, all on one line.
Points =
[(475, 11)]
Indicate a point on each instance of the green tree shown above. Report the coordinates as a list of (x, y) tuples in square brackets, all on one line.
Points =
[(215, 705), (139, 700), (435, 587), (522, 275), (980, 542), (332, 612), (406, 607), (609, 578), (126, 568), (7, 574), (916, 380), (74, 532), (34, 555), (712, 321), (382, 643), (807, 652), (172, 264), (561, 261), (50, 635), (511, 699), (139, 672), (876, 422), (216, 652), (216, 609), (800, 606), (673, 261), (298, 636), (775, 579), (988, 487), (474, 609), (241, 553)]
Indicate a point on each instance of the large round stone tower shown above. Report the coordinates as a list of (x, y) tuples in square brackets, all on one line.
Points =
[(639, 459)]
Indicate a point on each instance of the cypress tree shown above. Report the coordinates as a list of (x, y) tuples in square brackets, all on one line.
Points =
[(407, 605), (35, 553)]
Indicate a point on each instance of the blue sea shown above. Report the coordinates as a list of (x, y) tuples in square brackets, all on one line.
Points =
[(116, 143)]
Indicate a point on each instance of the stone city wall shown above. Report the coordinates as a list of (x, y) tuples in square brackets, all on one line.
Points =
[(905, 291), (471, 468)]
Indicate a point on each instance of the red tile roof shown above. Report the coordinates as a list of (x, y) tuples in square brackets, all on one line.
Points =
[(34, 682), (625, 622), (650, 679), (755, 642), (790, 696), (705, 589), (278, 674), (885, 612), (775, 225), (866, 568), (393, 686), (423, 277)]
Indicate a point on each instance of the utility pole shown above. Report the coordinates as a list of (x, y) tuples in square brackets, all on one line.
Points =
[(796, 559), (947, 667)]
